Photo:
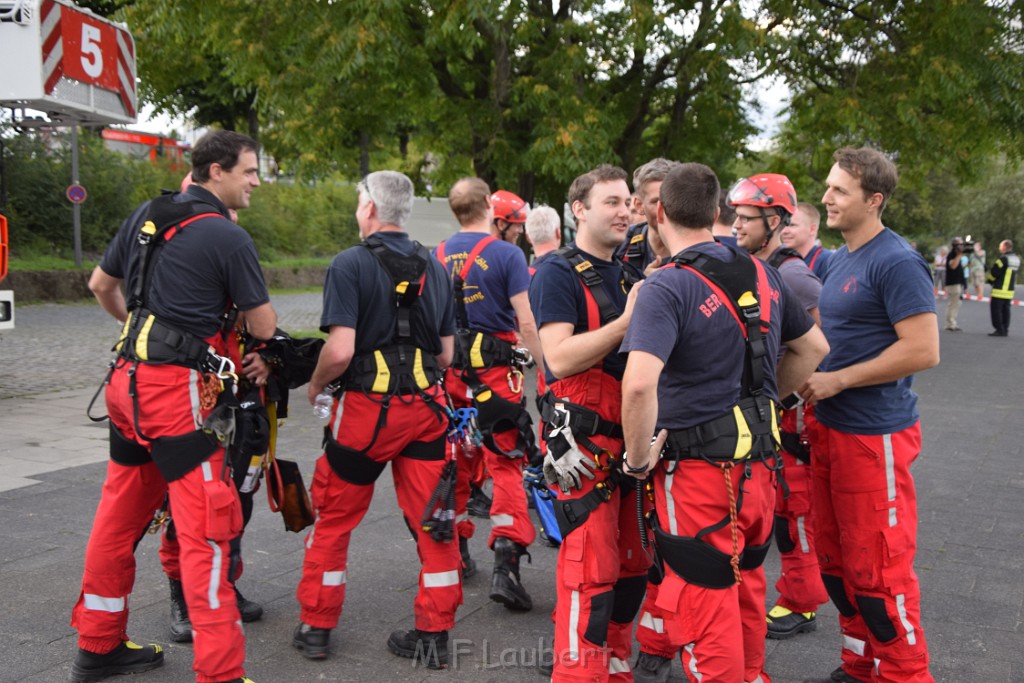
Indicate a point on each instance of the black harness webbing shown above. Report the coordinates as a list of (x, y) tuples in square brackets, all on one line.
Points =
[(401, 368), (783, 254), (748, 431)]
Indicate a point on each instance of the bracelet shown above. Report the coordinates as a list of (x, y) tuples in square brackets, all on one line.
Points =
[(636, 470)]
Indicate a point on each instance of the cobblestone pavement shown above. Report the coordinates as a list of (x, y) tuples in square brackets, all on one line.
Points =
[(56, 347)]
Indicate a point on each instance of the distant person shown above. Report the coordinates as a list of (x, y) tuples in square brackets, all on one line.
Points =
[(543, 232), (643, 250), (878, 313), (723, 230), (955, 283), (802, 234), (976, 265), (1003, 278), (939, 271), (510, 212)]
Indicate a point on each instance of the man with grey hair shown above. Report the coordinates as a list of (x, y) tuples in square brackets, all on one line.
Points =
[(389, 314), (543, 231), (643, 246)]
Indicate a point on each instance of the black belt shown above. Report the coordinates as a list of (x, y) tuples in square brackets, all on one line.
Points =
[(582, 420)]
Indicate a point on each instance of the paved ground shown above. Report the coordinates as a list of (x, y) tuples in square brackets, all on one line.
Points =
[(971, 558)]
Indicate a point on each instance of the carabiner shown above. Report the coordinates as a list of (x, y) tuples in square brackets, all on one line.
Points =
[(226, 368), (515, 381)]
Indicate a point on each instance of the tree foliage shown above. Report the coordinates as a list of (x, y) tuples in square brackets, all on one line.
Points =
[(529, 93)]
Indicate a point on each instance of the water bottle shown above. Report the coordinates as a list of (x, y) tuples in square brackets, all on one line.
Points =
[(323, 402)]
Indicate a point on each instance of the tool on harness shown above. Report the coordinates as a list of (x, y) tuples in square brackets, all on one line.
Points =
[(747, 432), (543, 502), (439, 517), (161, 517)]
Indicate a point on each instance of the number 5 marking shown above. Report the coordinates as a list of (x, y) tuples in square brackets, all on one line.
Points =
[(92, 56)]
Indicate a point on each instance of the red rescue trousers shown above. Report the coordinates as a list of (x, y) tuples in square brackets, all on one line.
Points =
[(207, 516), (340, 505), (510, 517), (602, 565), (799, 586), (866, 513), (720, 630)]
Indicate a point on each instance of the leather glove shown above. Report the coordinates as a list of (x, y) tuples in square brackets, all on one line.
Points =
[(565, 464)]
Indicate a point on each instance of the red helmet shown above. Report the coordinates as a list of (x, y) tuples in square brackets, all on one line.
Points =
[(766, 190), (509, 207)]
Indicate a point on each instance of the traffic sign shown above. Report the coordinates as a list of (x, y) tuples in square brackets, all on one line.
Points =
[(76, 193)]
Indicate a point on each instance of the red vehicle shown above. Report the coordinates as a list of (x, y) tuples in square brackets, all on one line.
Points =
[(147, 146)]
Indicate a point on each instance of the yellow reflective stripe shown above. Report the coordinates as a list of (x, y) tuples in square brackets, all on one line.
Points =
[(417, 371), (744, 439), (776, 436), (142, 342), (476, 358), (124, 332), (383, 379)]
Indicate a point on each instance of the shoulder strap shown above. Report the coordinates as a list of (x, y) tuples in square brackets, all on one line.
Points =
[(735, 282), (408, 275), (165, 218), (636, 244), (782, 255), (459, 279), (600, 309)]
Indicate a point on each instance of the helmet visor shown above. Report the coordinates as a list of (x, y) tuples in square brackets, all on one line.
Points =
[(746, 191)]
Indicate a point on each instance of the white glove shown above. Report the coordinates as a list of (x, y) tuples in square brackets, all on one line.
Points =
[(565, 464)]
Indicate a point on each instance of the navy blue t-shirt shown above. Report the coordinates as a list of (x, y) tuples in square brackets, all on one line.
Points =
[(557, 296), (817, 260), (863, 296), (198, 273), (680, 320), (499, 272), (358, 293)]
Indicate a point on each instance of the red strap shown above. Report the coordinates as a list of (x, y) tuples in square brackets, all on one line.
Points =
[(814, 259), (764, 296), (473, 254), (440, 253), (171, 232), (593, 310)]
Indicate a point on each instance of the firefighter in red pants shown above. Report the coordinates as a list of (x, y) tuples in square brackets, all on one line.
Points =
[(702, 343), (581, 305), (765, 205), (389, 314), (184, 264), (491, 280), (878, 312)]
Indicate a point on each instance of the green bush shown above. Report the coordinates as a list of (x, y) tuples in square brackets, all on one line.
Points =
[(286, 221), (301, 221)]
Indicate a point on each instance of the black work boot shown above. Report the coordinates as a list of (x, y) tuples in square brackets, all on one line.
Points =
[(250, 611), (837, 676), (181, 625), (126, 658), (506, 587), (479, 503), (430, 648), (312, 641), (468, 563)]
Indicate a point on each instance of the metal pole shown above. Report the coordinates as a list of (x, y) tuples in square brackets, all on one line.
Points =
[(77, 208)]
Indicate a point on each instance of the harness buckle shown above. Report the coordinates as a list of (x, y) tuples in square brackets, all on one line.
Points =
[(225, 367)]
